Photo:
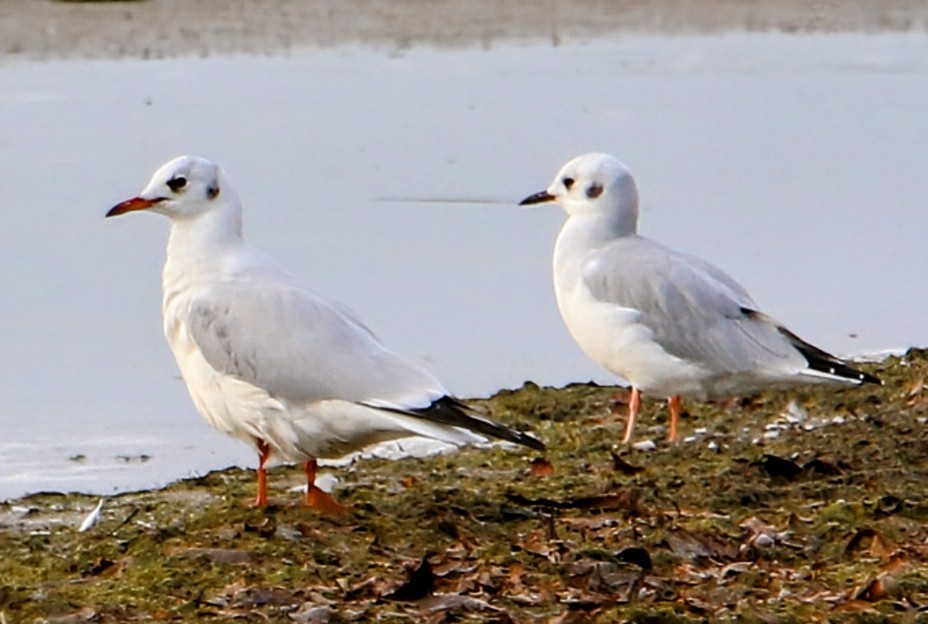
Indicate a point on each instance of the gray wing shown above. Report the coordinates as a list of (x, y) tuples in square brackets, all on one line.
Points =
[(301, 347), (694, 309)]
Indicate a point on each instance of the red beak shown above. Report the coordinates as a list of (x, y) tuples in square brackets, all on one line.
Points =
[(136, 203)]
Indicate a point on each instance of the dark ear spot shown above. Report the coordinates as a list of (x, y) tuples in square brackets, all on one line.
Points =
[(213, 191), (594, 191)]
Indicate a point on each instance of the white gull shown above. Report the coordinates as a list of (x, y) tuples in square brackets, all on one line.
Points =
[(273, 363), (670, 323)]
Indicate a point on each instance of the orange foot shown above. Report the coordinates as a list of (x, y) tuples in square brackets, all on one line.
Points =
[(324, 503)]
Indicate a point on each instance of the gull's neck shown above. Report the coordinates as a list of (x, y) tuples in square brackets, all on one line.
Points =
[(199, 248), (587, 230), (203, 237), (584, 232)]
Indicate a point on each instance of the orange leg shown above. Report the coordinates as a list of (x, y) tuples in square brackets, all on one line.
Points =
[(264, 451), (634, 402), (673, 403), (318, 499)]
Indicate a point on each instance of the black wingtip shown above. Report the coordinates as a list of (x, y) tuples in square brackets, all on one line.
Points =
[(450, 411), (840, 369), (824, 362), (871, 379)]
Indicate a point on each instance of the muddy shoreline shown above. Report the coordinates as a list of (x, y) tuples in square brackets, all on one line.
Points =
[(806, 506), (49, 29)]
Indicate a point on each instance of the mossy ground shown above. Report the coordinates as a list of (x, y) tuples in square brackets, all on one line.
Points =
[(801, 506)]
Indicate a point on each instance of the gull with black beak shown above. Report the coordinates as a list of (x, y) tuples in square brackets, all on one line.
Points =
[(268, 361), (671, 324)]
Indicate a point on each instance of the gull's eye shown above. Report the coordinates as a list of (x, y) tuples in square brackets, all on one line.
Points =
[(568, 182), (177, 183)]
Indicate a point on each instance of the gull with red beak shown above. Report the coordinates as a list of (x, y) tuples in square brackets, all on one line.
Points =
[(268, 361), (671, 324)]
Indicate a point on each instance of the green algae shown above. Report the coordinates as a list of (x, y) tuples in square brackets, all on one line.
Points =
[(797, 506)]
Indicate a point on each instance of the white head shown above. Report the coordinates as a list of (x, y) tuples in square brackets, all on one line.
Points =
[(182, 189), (594, 184)]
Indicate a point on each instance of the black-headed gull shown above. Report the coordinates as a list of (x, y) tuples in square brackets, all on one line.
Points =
[(669, 323), (273, 363)]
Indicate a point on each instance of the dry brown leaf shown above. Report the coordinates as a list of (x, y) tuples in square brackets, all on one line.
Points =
[(915, 388), (253, 597), (699, 547), (369, 588), (623, 467), (541, 467), (870, 542), (225, 556), (86, 614), (102, 567), (420, 584), (537, 543), (854, 606), (512, 581), (447, 602), (896, 562)]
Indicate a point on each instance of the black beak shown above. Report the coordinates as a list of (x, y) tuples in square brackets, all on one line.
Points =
[(538, 198)]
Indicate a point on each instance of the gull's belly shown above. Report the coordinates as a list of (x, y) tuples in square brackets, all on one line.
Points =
[(226, 408), (322, 429), (613, 336)]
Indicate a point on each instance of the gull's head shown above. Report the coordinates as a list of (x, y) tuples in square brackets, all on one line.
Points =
[(592, 184), (183, 188)]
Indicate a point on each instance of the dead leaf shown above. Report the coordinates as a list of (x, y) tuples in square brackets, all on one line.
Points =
[(897, 561), (621, 396), (512, 582), (366, 589), (311, 613), (450, 566), (881, 587), (637, 556), (734, 569), (259, 596), (854, 606), (86, 614), (582, 599), (225, 556), (420, 584), (889, 505), (101, 566), (448, 602), (699, 547), (623, 467), (541, 467), (820, 467), (625, 500), (601, 577), (778, 467), (266, 528), (762, 535), (538, 543), (871, 542), (308, 530)]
